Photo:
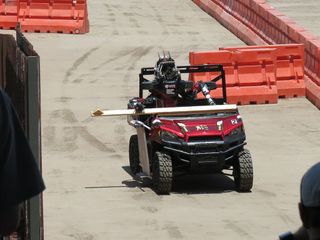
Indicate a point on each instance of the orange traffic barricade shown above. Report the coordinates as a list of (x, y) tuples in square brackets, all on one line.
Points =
[(250, 74), (58, 16), (8, 14), (289, 68)]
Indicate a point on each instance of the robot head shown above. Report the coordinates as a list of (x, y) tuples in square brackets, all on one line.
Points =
[(167, 75), (166, 69)]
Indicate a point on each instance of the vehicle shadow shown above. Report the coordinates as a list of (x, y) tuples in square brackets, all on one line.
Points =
[(187, 184), (203, 184), (137, 181)]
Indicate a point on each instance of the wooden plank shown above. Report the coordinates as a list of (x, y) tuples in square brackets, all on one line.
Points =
[(167, 111)]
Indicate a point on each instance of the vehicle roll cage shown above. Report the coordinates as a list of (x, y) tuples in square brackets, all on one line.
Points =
[(145, 84)]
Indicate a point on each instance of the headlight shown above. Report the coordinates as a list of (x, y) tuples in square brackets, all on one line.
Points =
[(168, 136), (236, 131)]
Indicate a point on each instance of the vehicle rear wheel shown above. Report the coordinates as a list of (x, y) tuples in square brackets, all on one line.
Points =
[(162, 173), (243, 171), (134, 155)]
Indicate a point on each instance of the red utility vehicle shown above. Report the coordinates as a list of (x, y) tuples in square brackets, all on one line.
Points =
[(189, 142)]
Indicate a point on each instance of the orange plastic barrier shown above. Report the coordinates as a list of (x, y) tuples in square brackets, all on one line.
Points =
[(250, 74), (58, 16), (8, 14), (256, 22), (289, 68), (313, 92)]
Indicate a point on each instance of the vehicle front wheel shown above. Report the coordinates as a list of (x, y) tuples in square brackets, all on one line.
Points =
[(162, 173), (243, 171)]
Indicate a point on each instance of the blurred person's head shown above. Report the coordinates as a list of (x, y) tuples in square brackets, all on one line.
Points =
[(309, 205)]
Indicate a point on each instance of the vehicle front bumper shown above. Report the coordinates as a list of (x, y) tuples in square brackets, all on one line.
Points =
[(214, 153)]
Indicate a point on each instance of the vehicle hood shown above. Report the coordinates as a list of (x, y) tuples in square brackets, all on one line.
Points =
[(202, 126)]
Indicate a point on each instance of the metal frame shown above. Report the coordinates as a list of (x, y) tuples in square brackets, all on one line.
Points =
[(34, 128), (25, 92), (188, 69), (34, 205)]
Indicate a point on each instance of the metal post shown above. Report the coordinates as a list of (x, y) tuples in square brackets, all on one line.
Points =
[(143, 150), (224, 89), (34, 205), (34, 130), (140, 85)]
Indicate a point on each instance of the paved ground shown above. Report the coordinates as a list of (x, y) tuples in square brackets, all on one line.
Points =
[(91, 195), (305, 13)]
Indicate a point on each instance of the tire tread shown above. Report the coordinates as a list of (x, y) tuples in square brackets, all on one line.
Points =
[(163, 183), (245, 168)]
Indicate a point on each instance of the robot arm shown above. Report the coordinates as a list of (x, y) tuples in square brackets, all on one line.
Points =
[(137, 104), (141, 103), (192, 89), (205, 89)]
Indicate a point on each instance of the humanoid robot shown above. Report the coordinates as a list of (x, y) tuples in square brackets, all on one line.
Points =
[(169, 90)]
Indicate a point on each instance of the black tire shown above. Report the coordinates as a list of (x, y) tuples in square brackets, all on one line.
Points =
[(162, 173), (134, 155), (243, 171)]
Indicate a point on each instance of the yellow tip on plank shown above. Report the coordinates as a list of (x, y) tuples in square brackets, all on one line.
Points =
[(97, 113)]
